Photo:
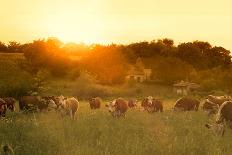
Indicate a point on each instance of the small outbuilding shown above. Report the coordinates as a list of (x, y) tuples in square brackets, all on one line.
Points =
[(184, 88)]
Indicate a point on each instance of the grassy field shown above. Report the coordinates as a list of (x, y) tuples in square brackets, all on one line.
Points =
[(96, 132)]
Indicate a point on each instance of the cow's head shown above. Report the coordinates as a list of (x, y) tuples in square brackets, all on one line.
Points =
[(178, 106), (135, 103), (218, 129), (60, 100), (91, 100), (149, 100), (11, 107), (111, 106), (51, 104)]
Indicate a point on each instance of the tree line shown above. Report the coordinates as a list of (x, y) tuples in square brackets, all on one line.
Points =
[(196, 61)]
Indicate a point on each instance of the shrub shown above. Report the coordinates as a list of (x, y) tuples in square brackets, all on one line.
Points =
[(85, 87)]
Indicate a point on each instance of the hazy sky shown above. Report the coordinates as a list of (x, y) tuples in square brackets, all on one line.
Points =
[(118, 21)]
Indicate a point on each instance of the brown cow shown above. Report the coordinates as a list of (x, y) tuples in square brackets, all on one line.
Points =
[(118, 107), (35, 103), (157, 105), (3, 108), (146, 103), (29, 103), (151, 104), (224, 117), (132, 103), (10, 102), (95, 103), (186, 104)]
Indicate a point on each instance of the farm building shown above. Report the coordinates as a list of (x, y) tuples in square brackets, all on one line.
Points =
[(184, 88), (138, 72)]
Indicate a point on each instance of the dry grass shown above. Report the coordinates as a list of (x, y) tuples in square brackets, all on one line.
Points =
[(96, 132)]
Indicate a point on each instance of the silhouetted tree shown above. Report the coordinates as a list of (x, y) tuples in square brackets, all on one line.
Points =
[(3, 47), (14, 47)]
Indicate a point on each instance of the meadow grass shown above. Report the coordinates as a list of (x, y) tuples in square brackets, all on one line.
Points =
[(96, 132)]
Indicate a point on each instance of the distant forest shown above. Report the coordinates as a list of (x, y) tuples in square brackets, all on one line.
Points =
[(196, 61)]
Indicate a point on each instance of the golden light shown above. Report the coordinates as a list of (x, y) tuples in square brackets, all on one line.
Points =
[(119, 21)]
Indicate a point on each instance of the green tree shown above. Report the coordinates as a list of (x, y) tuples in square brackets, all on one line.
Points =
[(170, 70)]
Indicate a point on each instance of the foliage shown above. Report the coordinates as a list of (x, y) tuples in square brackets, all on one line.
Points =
[(46, 55), (110, 63), (170, 70), (13, 81), (107, 63)]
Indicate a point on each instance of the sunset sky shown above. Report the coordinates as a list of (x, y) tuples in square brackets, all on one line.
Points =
[(118, 21)]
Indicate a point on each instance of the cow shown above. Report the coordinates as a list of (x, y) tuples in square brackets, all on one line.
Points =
[(118, 107), (29, 103), (10, 102), (36, 103), (210, 107), (218, 99), (69, 106), (146, 103), (157, 105), (132, 103), (151, 105), (95, 103), (224, 117), (3, 108), (186, 104)]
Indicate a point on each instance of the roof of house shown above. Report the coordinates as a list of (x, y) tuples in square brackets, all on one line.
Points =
[(186, 84)]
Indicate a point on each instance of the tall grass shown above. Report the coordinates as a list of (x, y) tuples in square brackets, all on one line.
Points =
[(96, 132)]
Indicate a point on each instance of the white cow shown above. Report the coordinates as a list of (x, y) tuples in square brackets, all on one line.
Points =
[(69, 106)]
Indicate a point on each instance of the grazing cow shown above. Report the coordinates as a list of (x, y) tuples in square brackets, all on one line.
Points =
[(132, 103), (151, 104), (186, 104), (29, 103), (10, 102), (157, 105), (35, 103), (210, 107), (69, 106), (218, 99), (118, 107), (95, 103), (3, 108), (146, 103), (224, 117)]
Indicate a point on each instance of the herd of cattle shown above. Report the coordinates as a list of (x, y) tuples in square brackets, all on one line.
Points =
[(219, 105)]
